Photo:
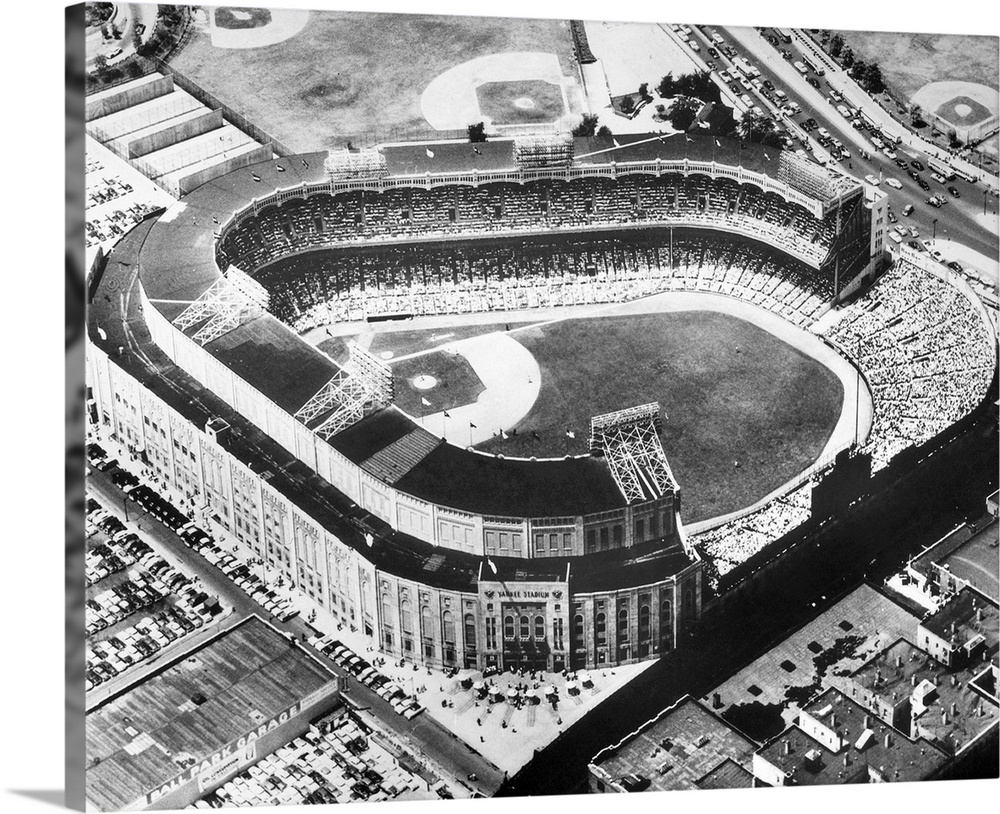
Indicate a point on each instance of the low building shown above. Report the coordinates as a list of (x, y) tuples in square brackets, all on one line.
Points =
[(204, 717), (963, 631), (837, 741), (686, 746)]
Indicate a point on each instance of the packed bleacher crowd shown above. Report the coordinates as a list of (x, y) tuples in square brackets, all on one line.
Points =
[(323, 220), (926, 352), (732, 543), (331, 763), (928, 357), (321, 288)]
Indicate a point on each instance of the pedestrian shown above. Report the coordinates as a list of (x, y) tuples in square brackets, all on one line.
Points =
[(479, 721), (482, 739)]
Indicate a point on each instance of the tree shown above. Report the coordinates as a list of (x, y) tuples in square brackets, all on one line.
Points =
[(627, 105), (859, 70), (757, 129), (100, 64), (683, 111), (644, 92), (873, 79), (836, 45), (666, 86), (604, 131), (477, 132), (847, 58), (916, 116), (587, 126)]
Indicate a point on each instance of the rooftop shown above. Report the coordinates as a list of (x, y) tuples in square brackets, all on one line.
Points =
[(682, 748), (807, 762), (903, 670), (227, 687), (965, 616)]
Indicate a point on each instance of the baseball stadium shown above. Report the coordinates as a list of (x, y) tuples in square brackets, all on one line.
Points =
[(502, 520)]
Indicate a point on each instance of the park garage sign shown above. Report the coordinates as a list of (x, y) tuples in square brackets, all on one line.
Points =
[(229, 758)]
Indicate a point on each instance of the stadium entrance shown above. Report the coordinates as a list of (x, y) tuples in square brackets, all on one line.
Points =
[(525, 643)]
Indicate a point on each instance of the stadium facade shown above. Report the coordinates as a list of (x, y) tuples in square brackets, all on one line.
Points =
[(447, 556)]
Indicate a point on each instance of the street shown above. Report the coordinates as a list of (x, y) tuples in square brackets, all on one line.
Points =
[(423, 736)]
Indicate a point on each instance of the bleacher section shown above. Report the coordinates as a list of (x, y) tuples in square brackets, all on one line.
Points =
[(324, 220), (928, 357), (923, 349)]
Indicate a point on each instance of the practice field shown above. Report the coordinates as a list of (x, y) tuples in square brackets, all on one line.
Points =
[(354, 73), (526, 101), (910, 61), (731, 391)]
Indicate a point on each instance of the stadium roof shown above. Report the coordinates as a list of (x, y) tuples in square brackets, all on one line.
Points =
[(148, 734)]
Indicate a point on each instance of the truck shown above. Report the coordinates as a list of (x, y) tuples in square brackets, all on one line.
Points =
[(941, 167)]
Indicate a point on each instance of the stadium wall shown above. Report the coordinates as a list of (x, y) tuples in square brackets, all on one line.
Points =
[(176, 133), (115, 100), (413, 618)]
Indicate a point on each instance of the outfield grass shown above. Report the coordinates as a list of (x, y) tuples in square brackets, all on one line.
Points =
[(497, 100), (910, 61), (349, 73), (767, 405), (457, 384)]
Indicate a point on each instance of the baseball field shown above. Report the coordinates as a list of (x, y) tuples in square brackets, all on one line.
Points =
[(355, 73), (730, 391)]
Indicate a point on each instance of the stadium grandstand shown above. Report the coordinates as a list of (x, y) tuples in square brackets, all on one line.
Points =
[(431, 548)]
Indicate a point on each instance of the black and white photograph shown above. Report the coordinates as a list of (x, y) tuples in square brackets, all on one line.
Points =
[(493, 406)]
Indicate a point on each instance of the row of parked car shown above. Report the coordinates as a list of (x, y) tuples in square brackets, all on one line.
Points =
[(237, 570), (368, 675)]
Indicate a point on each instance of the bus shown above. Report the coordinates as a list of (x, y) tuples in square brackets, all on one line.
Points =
[(941, 167), (745, 68), (784, 34), (812, 66)]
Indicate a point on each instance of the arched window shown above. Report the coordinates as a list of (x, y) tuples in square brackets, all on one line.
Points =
[(426, 623), (665, 611), (508, 627), (525, 626), (644, 622), (623, 623), (470, 630), (405, 617), (539, 627), (448, 627), (386, 610), (688, 604), (601, 628)]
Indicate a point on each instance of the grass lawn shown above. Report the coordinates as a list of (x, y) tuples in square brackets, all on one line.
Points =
[(352, 73), (457, 384), (540, 101), (768, 405), (910, 61)]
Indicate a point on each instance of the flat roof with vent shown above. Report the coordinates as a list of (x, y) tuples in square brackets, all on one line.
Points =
[(225, 688), (686, 746)]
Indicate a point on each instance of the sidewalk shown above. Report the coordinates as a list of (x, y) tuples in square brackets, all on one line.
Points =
[(858, 97)]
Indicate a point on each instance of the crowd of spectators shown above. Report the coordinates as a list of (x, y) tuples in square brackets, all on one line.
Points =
[(324, 220), (322, 288), (926, 352), (733, 543)]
